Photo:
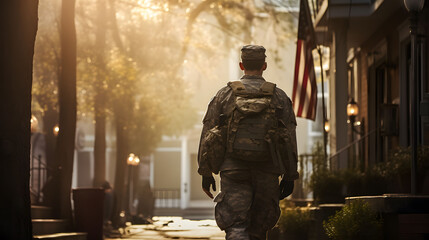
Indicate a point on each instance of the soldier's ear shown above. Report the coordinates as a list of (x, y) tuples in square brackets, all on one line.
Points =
[(241, 66), (264, 67)]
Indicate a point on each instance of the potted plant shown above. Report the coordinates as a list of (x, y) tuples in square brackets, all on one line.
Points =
[(294, 223), (354, 221)]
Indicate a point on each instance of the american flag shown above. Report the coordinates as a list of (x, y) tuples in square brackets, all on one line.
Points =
[(304, 95)]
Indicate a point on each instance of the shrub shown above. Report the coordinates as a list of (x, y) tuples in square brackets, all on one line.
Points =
[(391, 176), (327, 186), (295, 222), (355, 221)]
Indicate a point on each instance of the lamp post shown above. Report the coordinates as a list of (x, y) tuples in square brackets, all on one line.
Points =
[(414, 7), (132, 160)]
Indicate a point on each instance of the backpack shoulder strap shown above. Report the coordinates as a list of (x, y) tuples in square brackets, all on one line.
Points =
[(237, 87), (267, 88)]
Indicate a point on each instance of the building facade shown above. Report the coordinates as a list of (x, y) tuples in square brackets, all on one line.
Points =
[(370, 62)]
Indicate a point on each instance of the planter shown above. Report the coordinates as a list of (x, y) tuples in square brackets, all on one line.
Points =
[(88, 211)]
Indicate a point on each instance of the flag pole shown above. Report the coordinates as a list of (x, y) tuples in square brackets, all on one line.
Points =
[(325, 134)]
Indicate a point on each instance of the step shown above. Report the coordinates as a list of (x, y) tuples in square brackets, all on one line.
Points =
[(41, 212), (62, 236), (49, 226)]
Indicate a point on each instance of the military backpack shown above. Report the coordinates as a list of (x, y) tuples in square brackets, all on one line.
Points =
[(251, 122)]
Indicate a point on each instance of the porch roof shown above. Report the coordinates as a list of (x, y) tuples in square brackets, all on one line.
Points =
[(365, 17)]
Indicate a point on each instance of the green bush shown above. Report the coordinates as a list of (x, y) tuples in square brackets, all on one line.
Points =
[(327, 186), (392, 176), (355, 221), (396, 171), (295, 222)]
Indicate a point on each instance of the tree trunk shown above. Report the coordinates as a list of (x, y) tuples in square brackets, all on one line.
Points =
[(50, 190), (99, 105), (67, 102), (18, 26), (122, 151), (99, 144), (50, 119)]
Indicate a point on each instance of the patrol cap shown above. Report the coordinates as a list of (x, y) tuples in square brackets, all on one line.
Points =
[(253, 52)]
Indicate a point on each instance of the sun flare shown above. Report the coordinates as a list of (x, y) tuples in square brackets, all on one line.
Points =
[(149, 9)]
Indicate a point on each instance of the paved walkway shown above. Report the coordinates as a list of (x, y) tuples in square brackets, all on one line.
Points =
[(173, 228)]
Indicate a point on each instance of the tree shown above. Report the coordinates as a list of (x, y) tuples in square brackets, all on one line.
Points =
[(18, 25), (239, 22), (100, 97), (67, 103), (122, 77), (46, 71)]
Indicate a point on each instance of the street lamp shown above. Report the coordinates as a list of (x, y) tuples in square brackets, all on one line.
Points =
[(414, 7), (56, 130), (34, 124), (132, 160)]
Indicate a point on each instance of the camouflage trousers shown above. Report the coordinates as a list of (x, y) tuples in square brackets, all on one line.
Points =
[(248, 204)]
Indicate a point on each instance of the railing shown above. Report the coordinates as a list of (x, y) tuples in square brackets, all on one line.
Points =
[(305, 169), (167, 198), (38, 178), (355, 151)]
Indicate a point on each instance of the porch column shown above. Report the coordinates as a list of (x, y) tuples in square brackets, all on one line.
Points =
[(185, 174), (339, 88)]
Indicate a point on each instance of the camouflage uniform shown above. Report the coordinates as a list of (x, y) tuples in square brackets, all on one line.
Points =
[(248, 204)]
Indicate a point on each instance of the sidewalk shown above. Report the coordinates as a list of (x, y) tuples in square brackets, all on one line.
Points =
[(173, 228)]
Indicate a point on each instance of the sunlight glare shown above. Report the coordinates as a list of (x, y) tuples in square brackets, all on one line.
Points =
[(149, 9)]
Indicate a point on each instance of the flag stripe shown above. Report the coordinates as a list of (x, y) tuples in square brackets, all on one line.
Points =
[(304, 90), (304, 93), (295, 79), (313, 100), (300, 75)]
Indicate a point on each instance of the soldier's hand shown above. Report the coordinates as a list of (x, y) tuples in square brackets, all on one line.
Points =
[(286, 188), (207, 181)]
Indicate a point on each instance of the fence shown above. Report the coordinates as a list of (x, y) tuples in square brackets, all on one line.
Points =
[(301, 190), (38, 178), (308, 163), (167, 198)]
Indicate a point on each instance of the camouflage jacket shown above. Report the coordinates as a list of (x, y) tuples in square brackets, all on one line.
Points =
[(223, 103)]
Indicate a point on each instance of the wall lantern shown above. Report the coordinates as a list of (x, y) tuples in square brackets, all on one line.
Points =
[(327, 126), (352, 113), (352, 110)]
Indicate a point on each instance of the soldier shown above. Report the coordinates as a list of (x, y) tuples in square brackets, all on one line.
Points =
[(249, 137)]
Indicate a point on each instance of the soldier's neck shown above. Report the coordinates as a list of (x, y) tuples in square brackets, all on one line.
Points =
[(253, 72)]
